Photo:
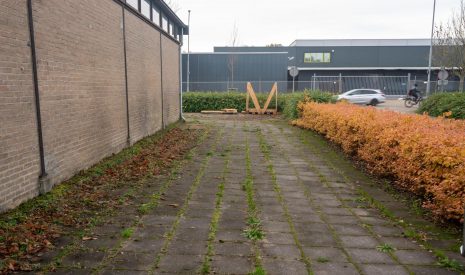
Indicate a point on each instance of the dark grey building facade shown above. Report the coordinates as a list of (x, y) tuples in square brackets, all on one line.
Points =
[(392, 65), (221, 71)]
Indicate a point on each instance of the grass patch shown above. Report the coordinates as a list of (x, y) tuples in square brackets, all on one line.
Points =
[(386, 248), (258, 271), (450, 264), (127, 233), (254, 232)]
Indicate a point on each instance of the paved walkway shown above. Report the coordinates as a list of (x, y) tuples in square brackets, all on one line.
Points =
[(255, 195)]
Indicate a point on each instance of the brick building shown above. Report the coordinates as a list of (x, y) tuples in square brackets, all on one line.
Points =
[(80, 80)]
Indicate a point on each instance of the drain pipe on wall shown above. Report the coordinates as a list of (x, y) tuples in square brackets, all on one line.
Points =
[(180, 63), (180, 78), (43, 185)]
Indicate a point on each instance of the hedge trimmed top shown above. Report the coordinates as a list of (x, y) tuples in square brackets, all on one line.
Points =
[(195, 102)]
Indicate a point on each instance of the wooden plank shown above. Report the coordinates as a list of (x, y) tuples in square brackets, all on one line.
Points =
[(211, 112), (223, 111), (230, 111), (270, 96), (247, 101), (251, 92)]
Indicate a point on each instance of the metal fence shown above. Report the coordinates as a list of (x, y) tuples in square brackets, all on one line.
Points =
[(390, 85)]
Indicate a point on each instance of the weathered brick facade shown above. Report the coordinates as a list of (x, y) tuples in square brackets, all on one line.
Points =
[(81, 69), (170, 85), (144, 77), (19, 162)]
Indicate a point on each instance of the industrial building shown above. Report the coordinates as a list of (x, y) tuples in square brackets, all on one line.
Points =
[(334, 65)]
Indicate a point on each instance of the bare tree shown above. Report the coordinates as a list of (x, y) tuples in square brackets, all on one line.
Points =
[(274, 45), (174, 5), (449, 44), (232, 57)]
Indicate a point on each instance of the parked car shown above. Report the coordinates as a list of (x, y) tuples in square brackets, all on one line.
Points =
[(363, 96)]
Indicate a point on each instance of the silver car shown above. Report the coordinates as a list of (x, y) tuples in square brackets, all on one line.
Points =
[(363, 96)]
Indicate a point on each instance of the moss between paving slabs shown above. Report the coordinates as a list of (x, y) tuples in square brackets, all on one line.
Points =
[(265, 149), (316, 206), (88, 215), (154, 201), (206, 266), (254, 229), (171, 233), (414, 230)]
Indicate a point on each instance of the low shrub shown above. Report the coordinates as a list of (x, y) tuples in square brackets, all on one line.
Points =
[(451, 104), (290, 102), (424, 155), (195, 102)]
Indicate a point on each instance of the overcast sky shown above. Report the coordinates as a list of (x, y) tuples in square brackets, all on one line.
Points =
[(261, 22)]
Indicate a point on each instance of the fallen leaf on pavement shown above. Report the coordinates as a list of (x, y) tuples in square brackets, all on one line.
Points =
[(88, 238)]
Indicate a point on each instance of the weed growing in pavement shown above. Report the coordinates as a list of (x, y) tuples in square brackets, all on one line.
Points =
[(386, 248), (410, 233), (253, 231), (127, 233), (258, 271), (144, 208), (451, 264), (322, 260), (360, 199)]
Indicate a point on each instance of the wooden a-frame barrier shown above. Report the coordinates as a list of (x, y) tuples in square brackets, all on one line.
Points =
[(258, 110)]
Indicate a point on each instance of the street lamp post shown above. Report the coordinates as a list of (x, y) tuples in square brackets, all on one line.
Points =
[(428, 85), (188, 50)]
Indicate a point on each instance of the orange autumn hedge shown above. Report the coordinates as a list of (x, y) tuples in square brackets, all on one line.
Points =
[(424, 155)]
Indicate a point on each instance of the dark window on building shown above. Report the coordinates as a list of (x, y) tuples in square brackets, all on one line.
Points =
[(164, 23), (176, 32), (155, 16), (145, 8), (171, 30), (133, 3)]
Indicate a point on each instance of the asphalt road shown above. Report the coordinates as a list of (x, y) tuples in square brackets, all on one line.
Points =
[(397, 105)]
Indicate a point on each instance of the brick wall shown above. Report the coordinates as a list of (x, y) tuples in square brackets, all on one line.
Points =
[(19, 162), (144, 77), (170, 80), (80, 57), (81, 73)]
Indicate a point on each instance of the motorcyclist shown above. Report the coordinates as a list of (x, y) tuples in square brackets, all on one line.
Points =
[(414, 92)]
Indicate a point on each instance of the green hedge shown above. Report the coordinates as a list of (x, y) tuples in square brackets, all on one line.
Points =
[(290, 101), (195, 102), (438, 104)]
